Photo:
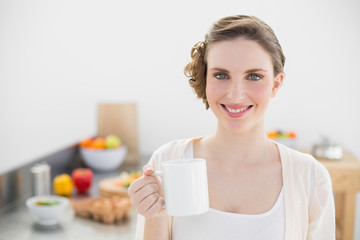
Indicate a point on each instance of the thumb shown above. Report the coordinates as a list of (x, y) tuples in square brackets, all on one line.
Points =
[(148, 170)]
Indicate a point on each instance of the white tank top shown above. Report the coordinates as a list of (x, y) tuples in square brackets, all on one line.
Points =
[(217, 224)]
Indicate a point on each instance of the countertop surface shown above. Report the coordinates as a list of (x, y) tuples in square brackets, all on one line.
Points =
[(17, 222)]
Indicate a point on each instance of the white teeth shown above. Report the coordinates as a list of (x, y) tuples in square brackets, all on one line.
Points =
[(236, 110)]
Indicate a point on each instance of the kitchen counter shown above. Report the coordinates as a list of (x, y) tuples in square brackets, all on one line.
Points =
[(17, 222)]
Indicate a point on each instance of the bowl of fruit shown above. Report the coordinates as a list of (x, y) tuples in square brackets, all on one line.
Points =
[(287, 138), (103, 154)]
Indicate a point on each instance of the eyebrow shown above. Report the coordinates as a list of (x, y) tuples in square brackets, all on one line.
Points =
[(219, 69), (247, 71), (256, 70)]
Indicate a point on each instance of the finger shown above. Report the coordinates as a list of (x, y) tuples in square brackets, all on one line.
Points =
[(144, 192), (147, 203), (156, 208), (140, 183), (148, 170)]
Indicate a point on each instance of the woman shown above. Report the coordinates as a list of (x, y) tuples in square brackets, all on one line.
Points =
[(258, 189)]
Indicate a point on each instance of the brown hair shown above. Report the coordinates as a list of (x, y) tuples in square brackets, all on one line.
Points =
[(229, 28)]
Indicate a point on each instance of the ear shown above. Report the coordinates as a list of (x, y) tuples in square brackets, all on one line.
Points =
[(278, 81)]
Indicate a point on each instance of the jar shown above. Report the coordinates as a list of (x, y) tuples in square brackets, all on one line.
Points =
[(41, 181)]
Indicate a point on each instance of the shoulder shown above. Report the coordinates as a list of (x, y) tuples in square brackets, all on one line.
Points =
[(305, 179), (177, 146), (174, 144), (303, 165), (171, 150), (308, 192), (300, 160)]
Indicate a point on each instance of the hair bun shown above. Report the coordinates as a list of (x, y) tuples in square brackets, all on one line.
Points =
[(198, 51)]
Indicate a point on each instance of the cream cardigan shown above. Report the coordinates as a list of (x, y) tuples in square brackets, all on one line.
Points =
[(309, 200)]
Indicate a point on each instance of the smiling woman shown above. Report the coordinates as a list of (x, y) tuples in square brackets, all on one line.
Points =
[(260, 33), (243, 89), (258, 189)]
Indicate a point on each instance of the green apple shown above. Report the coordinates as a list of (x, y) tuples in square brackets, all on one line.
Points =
[(112, 141)]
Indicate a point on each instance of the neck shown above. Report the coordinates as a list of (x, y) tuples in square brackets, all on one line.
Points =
[(244, 148)]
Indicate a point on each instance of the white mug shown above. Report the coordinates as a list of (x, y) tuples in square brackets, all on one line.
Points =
[(185, 186)]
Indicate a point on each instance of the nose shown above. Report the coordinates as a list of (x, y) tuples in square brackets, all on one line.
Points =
[(236, 91)]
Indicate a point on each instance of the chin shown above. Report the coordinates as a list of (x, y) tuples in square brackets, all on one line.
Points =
[(243, 126), (236, 127)]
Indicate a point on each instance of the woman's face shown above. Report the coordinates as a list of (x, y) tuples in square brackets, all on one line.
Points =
[(239, 83)]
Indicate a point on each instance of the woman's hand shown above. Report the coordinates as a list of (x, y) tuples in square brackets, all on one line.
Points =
[(146, 194)]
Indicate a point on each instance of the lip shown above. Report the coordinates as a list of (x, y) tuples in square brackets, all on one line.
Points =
[(236, 108)]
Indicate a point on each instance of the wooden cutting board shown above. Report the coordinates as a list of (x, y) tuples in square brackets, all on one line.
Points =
[(110, 187), (121, 120)]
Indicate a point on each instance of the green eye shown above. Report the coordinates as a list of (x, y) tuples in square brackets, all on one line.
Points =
[(221, 76), (254, 77)]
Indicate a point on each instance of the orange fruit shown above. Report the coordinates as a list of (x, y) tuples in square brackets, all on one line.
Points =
[(98, 143), (291, 135), (272, 134), (86, 142)]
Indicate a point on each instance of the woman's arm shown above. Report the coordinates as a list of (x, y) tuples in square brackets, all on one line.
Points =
[(322, 207), (157, 228)]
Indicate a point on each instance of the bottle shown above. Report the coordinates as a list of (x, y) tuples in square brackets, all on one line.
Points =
[(41, 182)]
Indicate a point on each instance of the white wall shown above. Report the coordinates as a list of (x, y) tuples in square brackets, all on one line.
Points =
[(59, 59)]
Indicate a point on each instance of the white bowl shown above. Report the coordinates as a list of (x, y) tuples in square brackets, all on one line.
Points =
[(44, 214), (103, 160)]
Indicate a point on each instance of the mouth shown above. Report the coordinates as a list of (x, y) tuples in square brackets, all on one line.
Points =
[(236, 110)]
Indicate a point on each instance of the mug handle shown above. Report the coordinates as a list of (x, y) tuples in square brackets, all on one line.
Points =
[(157, 173)]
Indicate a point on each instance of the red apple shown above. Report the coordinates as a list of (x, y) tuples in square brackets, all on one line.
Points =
[(82, 178)]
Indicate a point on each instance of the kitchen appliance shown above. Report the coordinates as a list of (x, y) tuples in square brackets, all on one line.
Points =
[(328, 150)]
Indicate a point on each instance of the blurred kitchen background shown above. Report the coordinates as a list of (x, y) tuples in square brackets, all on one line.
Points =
[(60, 59)]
